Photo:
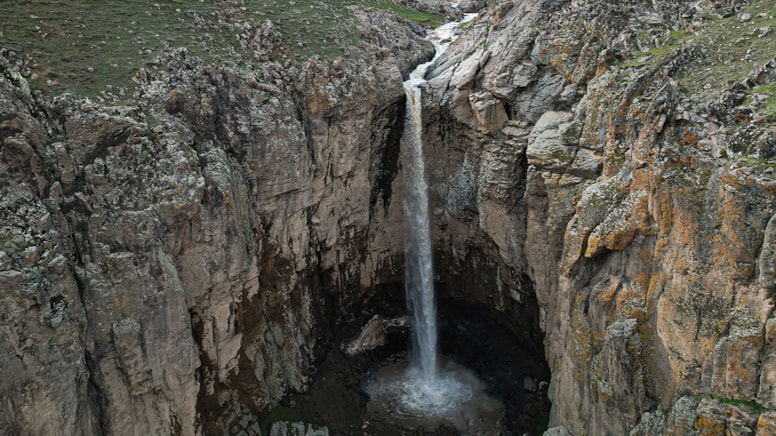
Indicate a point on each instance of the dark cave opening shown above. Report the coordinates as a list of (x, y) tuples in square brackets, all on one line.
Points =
[(511, 366)]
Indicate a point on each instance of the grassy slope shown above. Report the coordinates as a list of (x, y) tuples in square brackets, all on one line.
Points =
[(92, 46), (730, 51)]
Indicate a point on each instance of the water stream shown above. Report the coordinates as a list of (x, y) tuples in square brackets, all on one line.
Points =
[(418, 270), (426, 391)]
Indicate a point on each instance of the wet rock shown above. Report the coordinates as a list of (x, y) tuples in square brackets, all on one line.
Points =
[(375, 334), (283, 428)]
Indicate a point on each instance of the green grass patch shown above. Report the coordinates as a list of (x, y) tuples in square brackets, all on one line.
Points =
[(731, 49), (768, 106), (665, 45), (750, 405), (90, 47), (758, 164), (431, 20), (309, 27)]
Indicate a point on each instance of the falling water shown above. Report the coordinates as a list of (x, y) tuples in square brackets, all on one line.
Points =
[(427, 390), (418, 271), (418, 275)]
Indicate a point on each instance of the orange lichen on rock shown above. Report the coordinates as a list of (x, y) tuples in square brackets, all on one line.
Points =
[(689, 138)]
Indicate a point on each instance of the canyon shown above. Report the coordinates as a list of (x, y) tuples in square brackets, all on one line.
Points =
[(601, 186)]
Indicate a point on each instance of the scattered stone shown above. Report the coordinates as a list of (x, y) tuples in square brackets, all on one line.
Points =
[(375, 334), (284, 428)]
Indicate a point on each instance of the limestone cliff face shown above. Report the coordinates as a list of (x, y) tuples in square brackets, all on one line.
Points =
[(648, 250)]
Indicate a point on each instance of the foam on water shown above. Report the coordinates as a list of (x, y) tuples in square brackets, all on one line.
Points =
[(437, 397), (456, 398)]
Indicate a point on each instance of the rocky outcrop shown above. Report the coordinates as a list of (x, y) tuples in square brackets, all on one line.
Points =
[(582, 182), (375, 334)]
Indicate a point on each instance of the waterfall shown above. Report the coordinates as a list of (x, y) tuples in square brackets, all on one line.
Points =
[(418, 269), (429, 387)]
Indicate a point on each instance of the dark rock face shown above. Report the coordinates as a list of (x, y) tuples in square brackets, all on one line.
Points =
[(180, 265)]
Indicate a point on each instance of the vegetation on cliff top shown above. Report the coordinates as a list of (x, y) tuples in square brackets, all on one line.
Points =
[(94, 48), (749, 405), (728, 48), (723, 73)]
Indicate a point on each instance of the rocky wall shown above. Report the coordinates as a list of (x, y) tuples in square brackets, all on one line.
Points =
[(179, 265), (584, 184)]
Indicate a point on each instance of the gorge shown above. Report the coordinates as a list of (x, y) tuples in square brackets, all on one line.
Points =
[(189, 255)]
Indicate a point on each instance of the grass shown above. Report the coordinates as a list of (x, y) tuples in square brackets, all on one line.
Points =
[(92, 47), (767, 107), (664, 46), (750, 405), (758, 164), (83, 46), (431, 20), (731, 49), (309, 27), (720, 53)]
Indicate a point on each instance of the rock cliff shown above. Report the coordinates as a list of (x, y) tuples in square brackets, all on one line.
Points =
[(601, 176), (178, 265), (632, 203)]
